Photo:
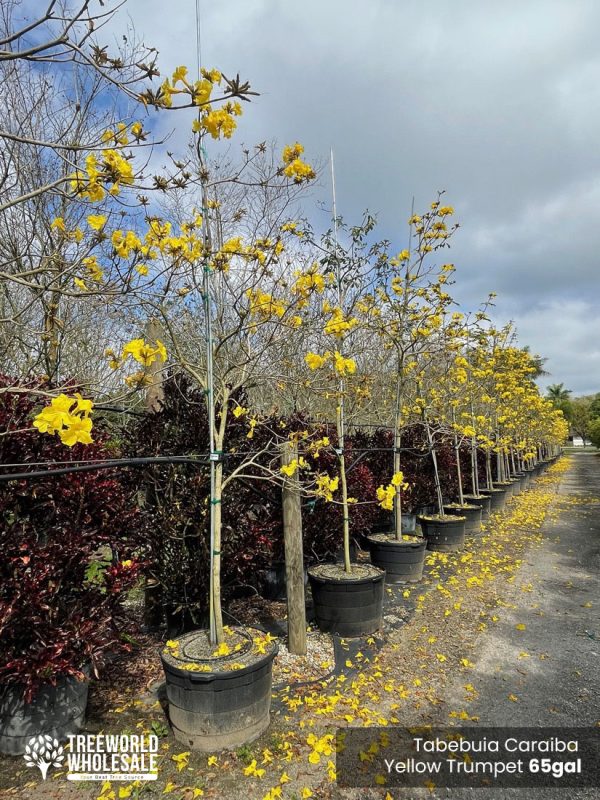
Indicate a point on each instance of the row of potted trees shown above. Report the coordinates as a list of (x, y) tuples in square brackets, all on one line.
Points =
[(460, 382), (400, 559), (335, 325), (214, 708)]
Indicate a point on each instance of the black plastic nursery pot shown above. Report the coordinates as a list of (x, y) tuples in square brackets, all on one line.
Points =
[(497, 498), (506, 486), (444, 534), (273, 584), (408, 525), (402, 560), (481, 500), (516, 484), (349, 604), (521, 481), (383, 525), (54, 710), (338, 556), (219, 702), (472, 514), (524, 478), (530, 473)]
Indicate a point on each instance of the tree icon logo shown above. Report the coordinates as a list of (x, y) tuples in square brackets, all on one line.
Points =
[(43, 751)]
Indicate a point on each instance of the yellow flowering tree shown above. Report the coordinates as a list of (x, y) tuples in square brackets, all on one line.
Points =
[(218, 282), (510, 417), (74, 143), (412, 293), (218, 288), (339, 384)]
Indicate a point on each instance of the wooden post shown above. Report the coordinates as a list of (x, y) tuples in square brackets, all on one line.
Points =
[(155, 394), (294, 557), (153, 590)]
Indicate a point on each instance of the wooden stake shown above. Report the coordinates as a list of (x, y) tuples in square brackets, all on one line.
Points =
[(155, 394), (294, 557), (153, 590)]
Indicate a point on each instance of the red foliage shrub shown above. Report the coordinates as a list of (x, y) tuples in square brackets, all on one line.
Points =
[(63, 542)]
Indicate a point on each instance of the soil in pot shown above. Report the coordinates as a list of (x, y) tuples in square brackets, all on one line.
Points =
[(54, 710), (349, 604), (402, 560), (445, 534), (471, 512), (219, 696), (408, 525)]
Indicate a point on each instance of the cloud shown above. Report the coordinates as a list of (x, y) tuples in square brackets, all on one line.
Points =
[(568, 333), (497, 103)]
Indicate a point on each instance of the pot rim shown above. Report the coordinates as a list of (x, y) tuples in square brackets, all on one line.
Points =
[(395, 543), (219, 674), (344, 580)]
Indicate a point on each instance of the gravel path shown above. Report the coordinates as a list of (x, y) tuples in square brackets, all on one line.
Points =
[(557, 684)]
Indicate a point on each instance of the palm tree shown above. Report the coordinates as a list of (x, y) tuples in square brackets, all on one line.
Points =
[(557, 393)]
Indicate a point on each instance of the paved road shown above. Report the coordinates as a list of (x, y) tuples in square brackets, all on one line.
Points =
[(558, 683)]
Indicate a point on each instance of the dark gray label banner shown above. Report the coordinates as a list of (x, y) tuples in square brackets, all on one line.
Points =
[(468, 757)]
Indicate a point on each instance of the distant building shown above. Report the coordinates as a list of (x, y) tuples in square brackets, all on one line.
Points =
[(577, 441)]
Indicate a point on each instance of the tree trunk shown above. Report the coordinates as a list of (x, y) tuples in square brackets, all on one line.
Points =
[(461, 498), (438, 486), (216, 563), (397, 455), (342, 462), (398, 495)]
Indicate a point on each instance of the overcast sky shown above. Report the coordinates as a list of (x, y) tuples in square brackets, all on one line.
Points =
[(497, 103)]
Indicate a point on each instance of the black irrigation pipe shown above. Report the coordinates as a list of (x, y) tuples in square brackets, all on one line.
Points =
[(198, 458), (85, 465), (115, 409), (140, 462), (119, 462)]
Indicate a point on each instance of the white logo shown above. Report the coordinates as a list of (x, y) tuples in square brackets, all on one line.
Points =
[(112, 757), (44, 752)]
